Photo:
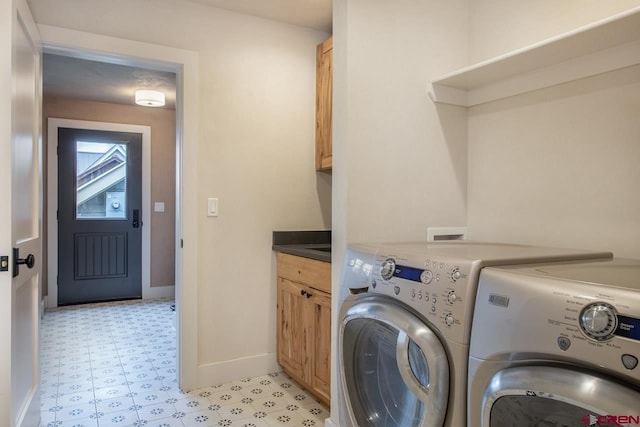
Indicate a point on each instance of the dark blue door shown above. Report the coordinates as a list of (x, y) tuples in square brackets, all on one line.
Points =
[(99, 216)]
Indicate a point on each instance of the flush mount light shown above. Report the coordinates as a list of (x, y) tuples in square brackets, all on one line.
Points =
[(149, 98)]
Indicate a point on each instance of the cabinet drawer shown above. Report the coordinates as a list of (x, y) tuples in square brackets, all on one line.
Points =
[(313, 273)]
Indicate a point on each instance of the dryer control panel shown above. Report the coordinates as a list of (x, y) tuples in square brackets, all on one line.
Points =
[(441, 290), (584, 322)]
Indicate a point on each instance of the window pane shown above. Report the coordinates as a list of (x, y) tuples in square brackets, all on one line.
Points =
[(101, 180)]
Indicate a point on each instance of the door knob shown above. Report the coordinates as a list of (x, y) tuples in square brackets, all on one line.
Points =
[(29, 261)]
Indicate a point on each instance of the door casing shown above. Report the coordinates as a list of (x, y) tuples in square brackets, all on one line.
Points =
[(186, 65), (52, 203)]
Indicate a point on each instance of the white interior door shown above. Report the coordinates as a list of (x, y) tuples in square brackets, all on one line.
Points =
[(20, 217)]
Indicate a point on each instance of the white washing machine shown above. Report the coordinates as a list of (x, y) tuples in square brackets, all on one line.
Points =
[(556, 345), (404, 330)]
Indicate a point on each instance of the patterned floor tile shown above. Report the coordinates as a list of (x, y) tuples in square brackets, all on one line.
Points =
[(113, 364), (75, 412), (201, 419), (127, 418), (165, 422)]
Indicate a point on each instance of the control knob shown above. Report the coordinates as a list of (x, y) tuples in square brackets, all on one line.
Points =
[(455, 274), (388, 268), (426, 277), (448, 319), (598, 320), (452, 297)]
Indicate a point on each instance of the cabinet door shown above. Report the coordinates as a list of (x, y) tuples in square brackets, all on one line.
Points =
[(290, 336), (318, 319), (324, 88)]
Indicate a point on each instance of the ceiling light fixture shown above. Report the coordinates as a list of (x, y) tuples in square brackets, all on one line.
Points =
[(149, 98)]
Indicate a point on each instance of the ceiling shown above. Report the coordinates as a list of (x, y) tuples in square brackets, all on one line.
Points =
[(316, 14), (102, 81), (113, 83)]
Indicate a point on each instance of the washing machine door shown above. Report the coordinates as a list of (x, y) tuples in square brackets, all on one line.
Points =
[(394, 369), (550, 396)]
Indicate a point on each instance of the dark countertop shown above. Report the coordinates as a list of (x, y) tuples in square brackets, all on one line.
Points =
[(308, 244)]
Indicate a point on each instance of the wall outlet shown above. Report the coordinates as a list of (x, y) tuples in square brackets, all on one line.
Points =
[(446, 233)]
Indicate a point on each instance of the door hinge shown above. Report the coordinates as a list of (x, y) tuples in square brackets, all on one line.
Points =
[(181, 244)]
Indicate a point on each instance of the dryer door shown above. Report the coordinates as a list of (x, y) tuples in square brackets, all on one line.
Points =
[(549, 396), (394, 369)]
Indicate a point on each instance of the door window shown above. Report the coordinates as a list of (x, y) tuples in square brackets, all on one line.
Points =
[(536, 411), (552, 396), (383, 398), (101, 180)]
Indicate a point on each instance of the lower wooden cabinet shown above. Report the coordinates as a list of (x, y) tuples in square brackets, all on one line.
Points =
[(304, 330)]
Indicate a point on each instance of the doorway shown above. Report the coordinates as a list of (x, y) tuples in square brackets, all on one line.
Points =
[(99, 222), (185, 65)]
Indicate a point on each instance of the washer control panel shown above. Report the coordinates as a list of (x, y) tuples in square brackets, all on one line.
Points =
[(437, 288)]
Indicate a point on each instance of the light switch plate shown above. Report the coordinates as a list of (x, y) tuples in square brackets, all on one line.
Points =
[(212, 206), (158, 207)]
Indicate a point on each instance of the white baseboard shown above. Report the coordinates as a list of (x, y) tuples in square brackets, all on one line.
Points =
[(148, 292), (158, 292), (329, 423), (237, 369), (50, 302)]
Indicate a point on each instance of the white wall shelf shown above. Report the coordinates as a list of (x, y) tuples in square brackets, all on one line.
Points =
[(606, 45)]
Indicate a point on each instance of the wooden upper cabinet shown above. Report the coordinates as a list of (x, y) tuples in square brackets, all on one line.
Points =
[(324, 88)]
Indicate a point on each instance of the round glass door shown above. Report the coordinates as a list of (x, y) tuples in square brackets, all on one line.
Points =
[(550, 396), (393, 377)]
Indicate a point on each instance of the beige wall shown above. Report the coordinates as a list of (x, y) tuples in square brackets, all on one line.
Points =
[(558, 166), (400, 163), (256, 154), (163, 155)]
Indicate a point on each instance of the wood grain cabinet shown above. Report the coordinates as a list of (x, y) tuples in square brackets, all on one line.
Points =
[(304, 322), (324, 88)]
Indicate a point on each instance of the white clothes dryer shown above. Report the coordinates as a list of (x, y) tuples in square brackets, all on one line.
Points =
[(404, 329), (556, 345)]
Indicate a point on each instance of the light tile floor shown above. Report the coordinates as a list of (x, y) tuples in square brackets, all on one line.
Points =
[(113, 364)]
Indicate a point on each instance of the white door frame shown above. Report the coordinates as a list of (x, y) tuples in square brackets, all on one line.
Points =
[(185, 64), (52, 203)]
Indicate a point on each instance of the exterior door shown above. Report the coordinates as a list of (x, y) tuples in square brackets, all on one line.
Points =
[(395, 372), (20, 218), (99, 216)]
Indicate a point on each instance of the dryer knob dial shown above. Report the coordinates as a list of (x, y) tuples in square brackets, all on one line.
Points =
[(599, 321), (426, 277), (455, 274), (452, 297), (388, 268), (449, 319)]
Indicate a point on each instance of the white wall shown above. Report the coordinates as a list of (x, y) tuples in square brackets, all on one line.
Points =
[(256, 154), (558, 166), (399, 162), (499, 26)]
